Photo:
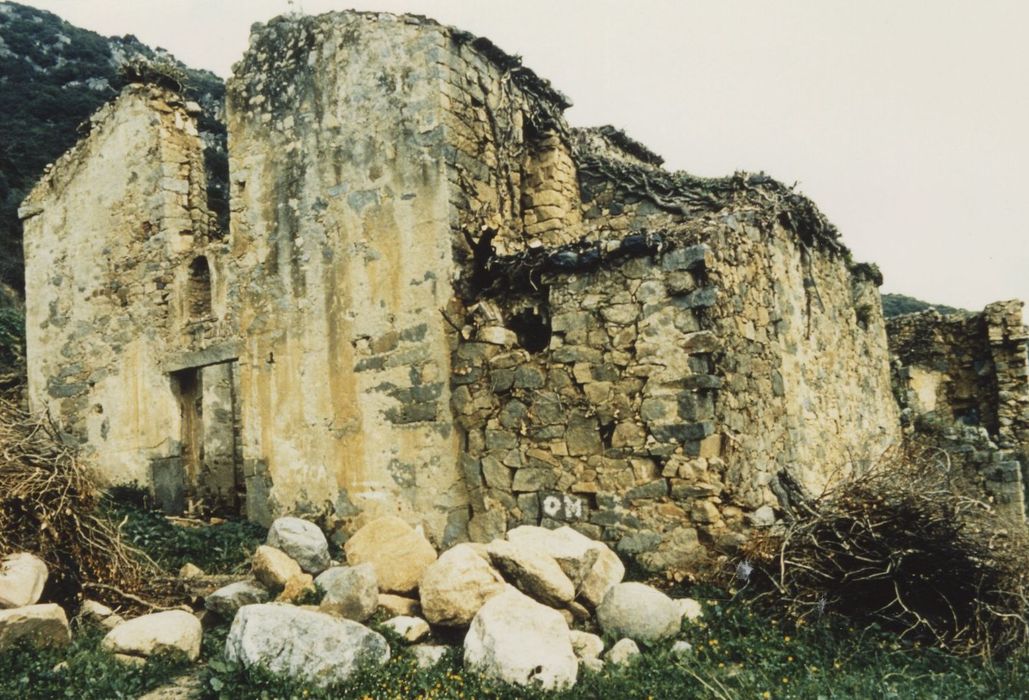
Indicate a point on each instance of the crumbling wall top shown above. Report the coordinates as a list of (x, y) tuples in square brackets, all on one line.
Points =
[(56, 175), (301, 33)]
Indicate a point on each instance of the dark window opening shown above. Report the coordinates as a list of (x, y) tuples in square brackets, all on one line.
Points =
[(532, 326), (199, 289)]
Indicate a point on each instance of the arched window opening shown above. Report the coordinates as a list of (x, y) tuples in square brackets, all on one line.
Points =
[(199, 289)]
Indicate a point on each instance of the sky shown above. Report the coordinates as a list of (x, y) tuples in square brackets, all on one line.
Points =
[(907, 121)]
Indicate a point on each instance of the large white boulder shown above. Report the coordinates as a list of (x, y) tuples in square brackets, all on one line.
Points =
[(574, 552), (517, 640), (639, 612), (22, 577), (157, 633), (350, 591), (399, 554), (316, 647), (41, 625), (303, 541), (607, 571), (532, 572), (228, 599), (456, 585)]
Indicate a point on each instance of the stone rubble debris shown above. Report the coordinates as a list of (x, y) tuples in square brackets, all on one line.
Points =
[(524, 602)]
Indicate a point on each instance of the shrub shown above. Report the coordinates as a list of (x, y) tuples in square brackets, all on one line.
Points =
[(904, 547)]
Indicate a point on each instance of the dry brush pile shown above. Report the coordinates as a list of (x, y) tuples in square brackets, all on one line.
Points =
[(49, 506), (906, 546)]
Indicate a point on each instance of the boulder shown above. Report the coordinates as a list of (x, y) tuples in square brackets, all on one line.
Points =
[(100, 614), (639, 612), (22, 577), (228, 599), (303, 541), (41, 625), (399, 605), (273, 568), (681, 648), (428, 655), (579, 612), (157, 633), (517, 640), (456, 585), (622, 651), (586, 645), (592, 665), (606, 572), (574, 552), (350, 591), (190, 570), (532, 572), (690, 609), (94, 611), (302, 644), (297, 588), (399, 554), (412, 629)]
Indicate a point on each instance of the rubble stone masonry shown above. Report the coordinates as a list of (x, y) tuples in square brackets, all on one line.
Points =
[(970, 370)]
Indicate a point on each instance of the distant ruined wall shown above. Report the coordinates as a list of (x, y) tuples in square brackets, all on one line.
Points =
[(110, 233), (970, 369)]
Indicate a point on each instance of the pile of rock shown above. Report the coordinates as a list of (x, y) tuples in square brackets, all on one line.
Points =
[(529, 605)]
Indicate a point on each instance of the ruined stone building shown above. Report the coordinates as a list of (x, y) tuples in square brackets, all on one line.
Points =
[(436, 298)]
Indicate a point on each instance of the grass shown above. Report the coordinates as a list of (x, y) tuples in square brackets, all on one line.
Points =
[(739, 652), (86, 672), (217, 549)]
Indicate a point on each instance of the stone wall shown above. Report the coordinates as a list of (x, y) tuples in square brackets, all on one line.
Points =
[(111, 232), (340, 222), (691, 355), (970, 370)]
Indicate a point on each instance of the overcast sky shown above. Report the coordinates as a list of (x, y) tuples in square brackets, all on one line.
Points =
[(907, 121)]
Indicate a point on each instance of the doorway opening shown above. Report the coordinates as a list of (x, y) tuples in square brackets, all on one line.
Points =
[(212, 461)]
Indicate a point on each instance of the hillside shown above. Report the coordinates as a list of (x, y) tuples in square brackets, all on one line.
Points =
[(53, 75), (899, 304)]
